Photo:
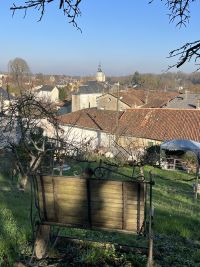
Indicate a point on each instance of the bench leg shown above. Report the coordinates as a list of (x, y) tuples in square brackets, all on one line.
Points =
[(42, 241)]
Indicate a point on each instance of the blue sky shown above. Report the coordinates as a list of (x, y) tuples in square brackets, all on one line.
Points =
[(124, 35)]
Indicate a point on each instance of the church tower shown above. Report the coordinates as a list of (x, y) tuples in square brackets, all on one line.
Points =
[(100, 76)]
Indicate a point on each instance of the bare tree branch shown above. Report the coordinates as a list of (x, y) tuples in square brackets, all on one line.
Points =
[(185, 53), (178, 10), (70, 8)]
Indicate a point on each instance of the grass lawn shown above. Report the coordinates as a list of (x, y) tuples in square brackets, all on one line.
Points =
[(176, 228)]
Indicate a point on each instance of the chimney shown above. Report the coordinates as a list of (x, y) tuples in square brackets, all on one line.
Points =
[(198, 104), (146, 99), (186, 94)]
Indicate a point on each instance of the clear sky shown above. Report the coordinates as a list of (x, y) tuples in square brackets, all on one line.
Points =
[(124, 35)]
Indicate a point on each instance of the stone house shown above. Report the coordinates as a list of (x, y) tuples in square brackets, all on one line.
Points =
[(120, 101), (48, 92), (141, 127), (87, 95), (134, 98)]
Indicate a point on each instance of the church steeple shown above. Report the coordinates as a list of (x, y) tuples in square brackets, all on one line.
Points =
[(99, 68), (100, 76)]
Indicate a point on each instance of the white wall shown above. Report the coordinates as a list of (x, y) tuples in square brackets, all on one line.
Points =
[(53, 95), (80, 135), (88, 100), (82, 101)]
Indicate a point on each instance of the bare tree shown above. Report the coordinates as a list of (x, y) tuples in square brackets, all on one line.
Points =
[(32, 131), (19, 71), (24, 125), (178, 11)]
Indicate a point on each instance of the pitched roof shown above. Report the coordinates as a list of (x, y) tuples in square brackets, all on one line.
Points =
[(161, 124), (47, 88), (149, 123), (92, 87), (155, 103), (187, 101), (147, 99), (92, 118), (130, 99)]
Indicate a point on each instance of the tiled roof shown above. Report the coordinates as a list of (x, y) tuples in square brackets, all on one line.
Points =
[(92, 118), (130, 99), (156, 124), (161, 124), (150, 99), (155, 103)]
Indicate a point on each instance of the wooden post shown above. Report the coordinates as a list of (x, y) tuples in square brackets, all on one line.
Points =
[(150, 249)]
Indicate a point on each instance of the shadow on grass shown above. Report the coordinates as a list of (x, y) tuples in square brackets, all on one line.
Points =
[(14, 221)]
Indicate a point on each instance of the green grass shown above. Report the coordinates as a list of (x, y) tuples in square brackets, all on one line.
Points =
[(176, 227), (177, 219), (15, 231)]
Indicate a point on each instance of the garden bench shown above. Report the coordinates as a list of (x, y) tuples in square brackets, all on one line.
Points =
[(89, 203)]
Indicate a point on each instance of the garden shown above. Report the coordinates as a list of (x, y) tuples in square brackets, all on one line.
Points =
[(176, 228)]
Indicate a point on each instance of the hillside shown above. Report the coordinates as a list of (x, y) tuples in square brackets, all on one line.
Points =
[(176, 230)]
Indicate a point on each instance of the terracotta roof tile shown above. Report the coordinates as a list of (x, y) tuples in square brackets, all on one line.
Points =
[(155, 99), (154, 123), (92, 118), (161, 124), (130, 99)]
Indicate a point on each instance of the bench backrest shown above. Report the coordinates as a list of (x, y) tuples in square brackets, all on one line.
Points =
[(92, 203)]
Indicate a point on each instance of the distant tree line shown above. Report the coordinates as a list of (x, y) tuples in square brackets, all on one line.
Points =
[(20, 78), (165, 81)]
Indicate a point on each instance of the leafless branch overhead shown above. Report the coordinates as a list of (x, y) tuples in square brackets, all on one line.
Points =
[(178, 10), (69, 7), (185, 53)]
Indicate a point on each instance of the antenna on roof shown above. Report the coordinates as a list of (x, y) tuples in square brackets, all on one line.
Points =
[(117, 115)]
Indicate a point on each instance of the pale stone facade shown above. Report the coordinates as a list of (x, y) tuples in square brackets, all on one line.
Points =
[(82, 101), (110, 102), (48, 93), (100, 76)]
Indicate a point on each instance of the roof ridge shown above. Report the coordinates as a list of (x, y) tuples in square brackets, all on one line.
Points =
[(138, 108)]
